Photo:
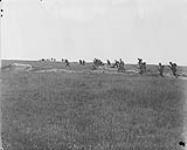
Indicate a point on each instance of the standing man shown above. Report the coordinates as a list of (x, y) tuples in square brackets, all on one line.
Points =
[(161, 69), (173, 67)]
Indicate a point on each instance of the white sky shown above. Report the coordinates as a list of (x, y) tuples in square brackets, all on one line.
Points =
[(155, 30)]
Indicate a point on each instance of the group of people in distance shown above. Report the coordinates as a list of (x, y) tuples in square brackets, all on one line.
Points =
[(172, 66), (82, 62), (48, 60), (141, 66), (120, 65)]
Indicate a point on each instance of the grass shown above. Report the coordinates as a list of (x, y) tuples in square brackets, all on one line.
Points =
[(64, 111)]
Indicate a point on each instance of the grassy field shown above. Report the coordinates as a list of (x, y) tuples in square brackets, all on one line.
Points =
[(64, 111)]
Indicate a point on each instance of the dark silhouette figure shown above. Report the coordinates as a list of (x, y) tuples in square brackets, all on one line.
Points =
[(181, 143), (116, 64), (66, 63), (139, 61), (161, 69), (173, 67), (80, 62), (142, 66), (83, 62), (108, 63), (121, 66), (98, 62)]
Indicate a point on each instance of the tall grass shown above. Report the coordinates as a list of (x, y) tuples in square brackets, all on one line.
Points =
[(55, 111)]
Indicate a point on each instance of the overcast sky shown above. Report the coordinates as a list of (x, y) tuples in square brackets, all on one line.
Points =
[(155, 30)]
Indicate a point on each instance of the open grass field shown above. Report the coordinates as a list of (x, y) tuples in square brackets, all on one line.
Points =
[(91, 111)]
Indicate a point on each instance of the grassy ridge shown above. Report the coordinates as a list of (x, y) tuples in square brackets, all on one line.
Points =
[(55, 111), (151, 68)]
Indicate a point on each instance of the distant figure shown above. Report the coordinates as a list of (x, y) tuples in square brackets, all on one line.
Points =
[(62, 60), (42, 60), (80, 62), (161, 69), (173, 67), (97, 62), (116, 64), (121, 66), (139, 61), (108, 63), (83, 62), (142, 66), (66, 63)]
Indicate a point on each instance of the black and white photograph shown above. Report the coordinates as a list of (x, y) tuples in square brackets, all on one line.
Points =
[(93, 75)]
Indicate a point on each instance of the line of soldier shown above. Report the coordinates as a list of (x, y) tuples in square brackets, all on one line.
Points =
[(82, 62), (120, 65), (48, 60), (172, 66), (142, 67)]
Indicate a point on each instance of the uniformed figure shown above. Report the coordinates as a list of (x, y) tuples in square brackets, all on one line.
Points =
[(173, 67), (139, 61), (142, 66), (161, 69), (80, 62), (116, 64), (98, 62), (66, 63), (108, 63), (83, 62), (121, 66)]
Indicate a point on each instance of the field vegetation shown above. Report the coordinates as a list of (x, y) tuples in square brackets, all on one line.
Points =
[(91, 111)]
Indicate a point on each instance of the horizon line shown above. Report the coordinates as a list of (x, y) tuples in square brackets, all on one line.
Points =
[(57, 60)]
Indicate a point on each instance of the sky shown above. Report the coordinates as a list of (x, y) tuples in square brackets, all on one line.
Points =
[(155, 30)]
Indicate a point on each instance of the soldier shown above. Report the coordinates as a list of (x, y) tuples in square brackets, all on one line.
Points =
[(121, 66), (116, 64), (173, 67), (95, 61), (108, 63), (142, 66), (66, 63), (161, 69), (98, 62), (139, 61), (80, 62)]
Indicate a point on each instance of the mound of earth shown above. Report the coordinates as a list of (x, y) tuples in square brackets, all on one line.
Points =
[(18, 67), (99, 70)]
